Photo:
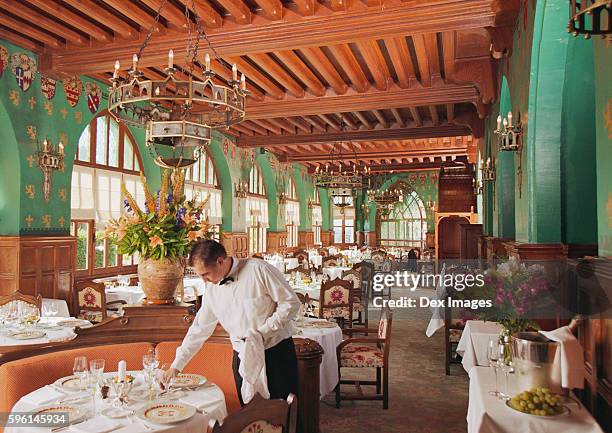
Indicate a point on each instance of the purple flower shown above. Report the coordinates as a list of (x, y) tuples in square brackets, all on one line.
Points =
[(126, 204)]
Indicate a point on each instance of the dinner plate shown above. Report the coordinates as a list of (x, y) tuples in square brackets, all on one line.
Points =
[(69, 383), (75, 413), (115, 412), (183, 380), (323, 324), (566, 411), (166, 412), (74, 322), (27, 335)]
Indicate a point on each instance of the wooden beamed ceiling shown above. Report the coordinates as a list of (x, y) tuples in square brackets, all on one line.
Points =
[(319, 71)]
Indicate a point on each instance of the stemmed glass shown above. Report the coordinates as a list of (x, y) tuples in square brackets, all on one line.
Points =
[(505, 365), (165, 382), (95, 378), (492, 357), (80, 370), (149, 364)]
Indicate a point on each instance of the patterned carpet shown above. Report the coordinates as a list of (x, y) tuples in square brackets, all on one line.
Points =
[(422, 399)]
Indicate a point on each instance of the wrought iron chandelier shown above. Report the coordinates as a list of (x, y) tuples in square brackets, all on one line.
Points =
[(179, 111), (590, 17)]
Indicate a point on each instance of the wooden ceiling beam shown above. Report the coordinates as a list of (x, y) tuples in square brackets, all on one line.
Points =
[(348, 62), (381, 118), (222, 71), (27, 13), (450, 113), (331, 121), (433, 113), (420, 47), (400, 58), (316, 123), (398, 117), (243, 129), (449, 48), (299, 123), (267, 63), (265, 123), (170, 12), (320, 61), (98, 13), (360, 135), (272, 8), (348, 121), (255, 127), (260, 79), (133, 12), (30, 31), (305, 7), (431, 44), (207, 14), (283, 124), (376, 63), (372, 100), (293, 62), (416, 116), (383, 154), (69, 17), (363, 119), (238, 9)]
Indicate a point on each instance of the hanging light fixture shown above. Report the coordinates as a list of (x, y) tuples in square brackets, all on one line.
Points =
[(178, 113), (590, 17)]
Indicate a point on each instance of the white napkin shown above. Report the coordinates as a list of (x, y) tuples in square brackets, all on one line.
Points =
[(99, 424), (45, 395), (571, 357), (253, 367)]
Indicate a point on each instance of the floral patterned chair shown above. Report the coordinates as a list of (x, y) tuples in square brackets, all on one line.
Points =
[(260, 416), (323, 252), (330, 261), (91, 302), (367, 352), (336, 301), (354, 276), (301, 256)]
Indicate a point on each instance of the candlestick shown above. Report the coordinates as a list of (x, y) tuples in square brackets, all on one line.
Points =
[(207, 61), (61, 148), (243, 82), (170, 59), (117, 66), (499, 121), (234, 72), (122, 366), (505, 123)]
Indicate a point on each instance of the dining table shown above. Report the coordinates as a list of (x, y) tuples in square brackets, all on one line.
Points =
[(207, 399), (489, 414), (47, 330), (335, 271), (474, 342)]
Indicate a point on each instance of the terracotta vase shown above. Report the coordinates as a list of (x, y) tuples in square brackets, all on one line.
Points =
[(160, 279)]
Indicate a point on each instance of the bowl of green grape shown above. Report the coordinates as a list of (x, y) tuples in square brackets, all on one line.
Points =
[(538, 401)]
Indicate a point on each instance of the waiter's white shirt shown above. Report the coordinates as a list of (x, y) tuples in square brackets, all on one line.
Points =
[(259, 298)]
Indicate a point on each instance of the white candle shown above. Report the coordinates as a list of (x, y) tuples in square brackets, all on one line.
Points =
[(510, 118), (117, 66), (499, 120), (243, 82), (157, 91), (134, 62), (234, 72), (61, 148), (207, 61), (121, 370), (505, 123), (170, 59)]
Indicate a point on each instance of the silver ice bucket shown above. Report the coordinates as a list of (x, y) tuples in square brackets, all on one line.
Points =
[(533, 356)]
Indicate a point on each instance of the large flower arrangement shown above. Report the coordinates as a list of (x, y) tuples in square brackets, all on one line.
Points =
[(167, 227)]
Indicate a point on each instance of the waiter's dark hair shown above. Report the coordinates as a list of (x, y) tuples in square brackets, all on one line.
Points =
[(207, 252)]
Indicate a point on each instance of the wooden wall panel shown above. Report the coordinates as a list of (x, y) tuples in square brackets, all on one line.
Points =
[(456, 193), (276, 242), (236, 244), (327, 238), (469, 235), (9, 264), (305, 239)]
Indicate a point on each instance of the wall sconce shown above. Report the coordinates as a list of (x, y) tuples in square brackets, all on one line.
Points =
[(478, 186), (598, 22), (488, 170), (508, 134), (311, 203), (50, 159), (241, 189), (282, 197)]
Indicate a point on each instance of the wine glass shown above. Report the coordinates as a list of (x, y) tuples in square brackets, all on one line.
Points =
[(505, 365), (492, 357), (165, 382), (79, 369)]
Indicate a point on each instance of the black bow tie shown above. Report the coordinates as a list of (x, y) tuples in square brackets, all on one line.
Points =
[(226, 280)]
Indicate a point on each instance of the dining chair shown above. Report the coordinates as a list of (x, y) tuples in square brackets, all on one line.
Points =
[(354, 276), (336, 301), (91, 302), (378, 257), (366, 352), (323, 252), (301, 256), (20, 301), (260, 415), (328, 261)]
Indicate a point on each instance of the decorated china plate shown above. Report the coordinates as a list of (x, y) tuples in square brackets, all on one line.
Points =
[(166, 412), (74, 322), (75, 413), (68, 383), (27, 335), (188, 380)]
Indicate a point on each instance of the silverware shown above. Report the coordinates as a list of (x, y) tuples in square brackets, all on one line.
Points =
[(56, 429)]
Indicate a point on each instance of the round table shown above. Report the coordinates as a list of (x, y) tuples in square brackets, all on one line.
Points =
[(328, 338), (54, 334), (209, 400)]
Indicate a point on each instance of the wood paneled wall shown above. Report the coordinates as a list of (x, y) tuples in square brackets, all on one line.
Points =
[(469, 235), (305, 239), (277, 242), (37, 265), (456, 193), (327, 238), (236, 244)]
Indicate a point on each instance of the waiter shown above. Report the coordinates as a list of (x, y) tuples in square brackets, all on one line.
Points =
[(244, 296)]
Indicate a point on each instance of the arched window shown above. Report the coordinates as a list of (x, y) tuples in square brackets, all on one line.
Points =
[(292, 214), (344, 219), (107, 155), (317, 215), (405, 225), (201, 182), (257, 212)]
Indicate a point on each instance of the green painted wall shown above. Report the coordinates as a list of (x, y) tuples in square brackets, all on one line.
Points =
[(603, 125), (10, 176)]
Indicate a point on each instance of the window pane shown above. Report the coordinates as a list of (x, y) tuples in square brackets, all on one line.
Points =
[(100, 248), (113, 144), (112, 253), (128, 155), (84, 142), (337, 235), (349, 235), (211, 172), (82, 245), (196, 172), (136, 164), (101, 140)]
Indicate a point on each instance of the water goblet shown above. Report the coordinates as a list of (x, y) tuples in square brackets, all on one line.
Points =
[(505, 365), (79, 369), (492, 357)]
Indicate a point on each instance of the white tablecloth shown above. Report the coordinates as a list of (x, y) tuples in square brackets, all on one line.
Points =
[(328, 338), (60, 304), (474, 342), (335, 271), (197, 424), (488, 414), (134, 294), (54, 334)]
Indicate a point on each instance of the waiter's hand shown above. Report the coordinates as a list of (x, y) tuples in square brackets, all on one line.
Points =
[(170, 374)]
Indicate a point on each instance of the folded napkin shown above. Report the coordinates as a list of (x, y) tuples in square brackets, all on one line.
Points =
[(99, 424), (253, 367), (45, 395), (571, 357)]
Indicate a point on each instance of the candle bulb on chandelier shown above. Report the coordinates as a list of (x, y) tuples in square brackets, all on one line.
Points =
[(157, 91), (117, 66), (510, 118), (234, 72), (170, 59), (207, 62), (505, 123), (61, 148), (499, 121), (242, 82), (134, 62), (480, 164)]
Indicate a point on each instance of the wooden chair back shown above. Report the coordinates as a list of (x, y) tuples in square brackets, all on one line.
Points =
[(354, 276), (384, 331), (328, 261), (21, 301), (336, 300), (260, 415), (323, 252), (90, 300), (301, 256), (378, 257)]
